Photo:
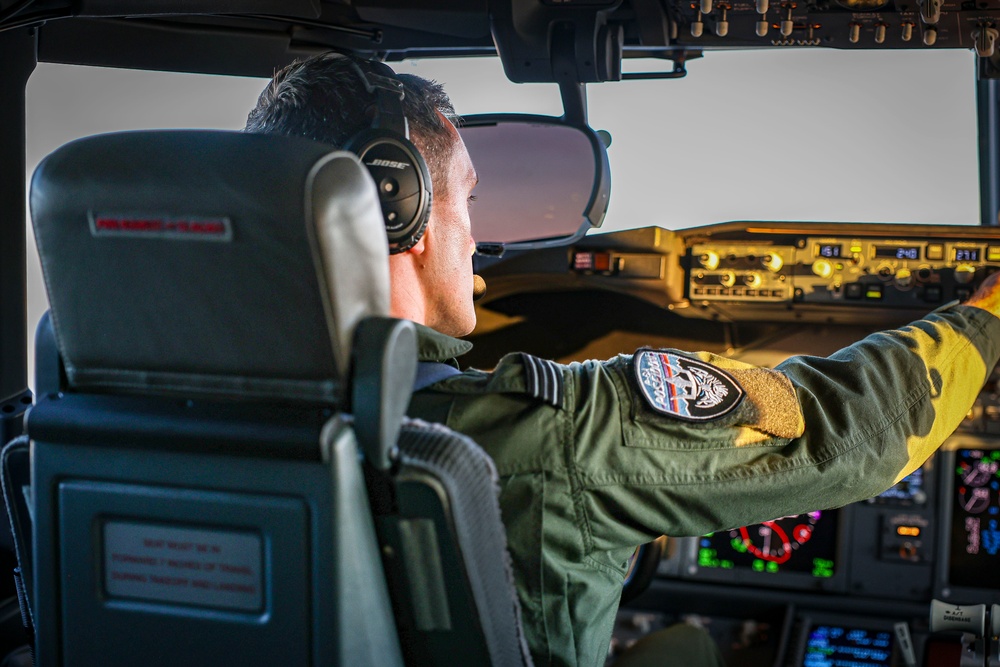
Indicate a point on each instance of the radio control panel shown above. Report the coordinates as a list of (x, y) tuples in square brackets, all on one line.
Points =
[(827, 270)]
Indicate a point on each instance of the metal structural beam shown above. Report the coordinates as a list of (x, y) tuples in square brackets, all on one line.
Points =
[(988, 107), (17, 53)]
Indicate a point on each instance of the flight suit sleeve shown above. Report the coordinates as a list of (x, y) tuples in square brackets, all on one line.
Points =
[(813, 433)]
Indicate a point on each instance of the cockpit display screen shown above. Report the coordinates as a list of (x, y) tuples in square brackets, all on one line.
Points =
[(975, 519), (907, 491), (805, 544), (840, 646)]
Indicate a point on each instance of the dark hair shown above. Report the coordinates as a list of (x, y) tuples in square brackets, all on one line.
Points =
[(323, 98)]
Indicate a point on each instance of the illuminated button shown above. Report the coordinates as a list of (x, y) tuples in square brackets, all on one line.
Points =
[(932, 294), (935, 251), (751, 292), (993, 253), (908, 531), (856, 248), (873, 292), (698, 291), (853, 290)]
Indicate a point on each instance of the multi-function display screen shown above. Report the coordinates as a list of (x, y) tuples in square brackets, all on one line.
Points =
[(975, 519), (843, 646), (907, 491), (806, 544)]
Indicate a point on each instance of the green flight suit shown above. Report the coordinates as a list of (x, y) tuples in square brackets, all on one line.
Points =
[(588, 469)]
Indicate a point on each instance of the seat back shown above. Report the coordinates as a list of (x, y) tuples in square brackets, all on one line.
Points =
[(197, 496)]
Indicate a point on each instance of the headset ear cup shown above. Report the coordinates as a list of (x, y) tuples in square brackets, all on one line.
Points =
[(403, 182)]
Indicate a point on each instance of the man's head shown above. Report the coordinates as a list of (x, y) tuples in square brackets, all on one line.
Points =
[(325, 99)]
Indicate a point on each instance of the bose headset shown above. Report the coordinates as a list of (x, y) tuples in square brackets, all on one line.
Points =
[(399, 171)]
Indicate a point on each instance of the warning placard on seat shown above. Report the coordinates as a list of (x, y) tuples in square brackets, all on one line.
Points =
[(204, 567)]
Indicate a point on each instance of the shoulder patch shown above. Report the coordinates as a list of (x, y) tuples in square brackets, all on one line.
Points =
[(685, 388), (543, 379)]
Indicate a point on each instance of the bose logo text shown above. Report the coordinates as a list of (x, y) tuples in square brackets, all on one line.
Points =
[(387, 163)]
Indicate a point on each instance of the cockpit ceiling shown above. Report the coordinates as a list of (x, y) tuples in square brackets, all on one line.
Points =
[(538, 40)]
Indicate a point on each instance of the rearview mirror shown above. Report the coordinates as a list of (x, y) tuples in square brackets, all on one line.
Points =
[(541, 182)]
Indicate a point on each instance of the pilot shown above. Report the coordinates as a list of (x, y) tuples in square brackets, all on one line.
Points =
[(598, 457)]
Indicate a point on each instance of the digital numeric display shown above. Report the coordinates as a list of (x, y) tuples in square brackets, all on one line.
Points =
[(843, 646), (966, 254), (831, 250), (898, 251)]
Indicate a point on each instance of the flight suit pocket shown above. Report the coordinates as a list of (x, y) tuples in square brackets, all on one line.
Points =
[(680, 403)]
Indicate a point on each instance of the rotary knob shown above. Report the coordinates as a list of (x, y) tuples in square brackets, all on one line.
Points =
[(964, 273), (822, 268), (904, 278), (727, 279), (709, 260), (772, 262), (752, 280)]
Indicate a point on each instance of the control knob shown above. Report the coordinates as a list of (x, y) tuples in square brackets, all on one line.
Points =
[(752, 280), (772, 262), (728, 279), (964, 273), (709, 260), (822, 268), (904, 278)]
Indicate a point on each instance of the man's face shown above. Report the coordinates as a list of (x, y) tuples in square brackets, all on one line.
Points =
[(447, 260)]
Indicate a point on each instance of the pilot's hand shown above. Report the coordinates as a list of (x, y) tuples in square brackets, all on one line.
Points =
[(987, 296)]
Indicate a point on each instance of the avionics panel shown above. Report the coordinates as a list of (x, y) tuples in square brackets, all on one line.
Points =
[(893, 272), (804, 552), (967, 569)]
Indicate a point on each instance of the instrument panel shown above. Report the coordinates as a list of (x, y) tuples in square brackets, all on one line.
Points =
[(902, 272)]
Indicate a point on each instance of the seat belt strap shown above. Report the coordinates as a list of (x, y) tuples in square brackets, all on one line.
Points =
[(429, 372)]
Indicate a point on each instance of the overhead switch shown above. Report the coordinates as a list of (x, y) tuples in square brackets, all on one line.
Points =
[(787, 25), (854, 33), (985, 37), (722, 24), (706, 6), (762, 27), (698, 27), (907, 31), (880, 33), (930, 11), (930, 35)]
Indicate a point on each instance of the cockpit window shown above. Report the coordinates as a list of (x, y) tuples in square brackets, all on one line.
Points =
[(798, 135)]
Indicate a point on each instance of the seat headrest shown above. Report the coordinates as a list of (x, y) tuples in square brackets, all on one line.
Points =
[(208, 262)]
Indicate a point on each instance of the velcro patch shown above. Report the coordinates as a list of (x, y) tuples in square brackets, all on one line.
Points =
[(685, 388)]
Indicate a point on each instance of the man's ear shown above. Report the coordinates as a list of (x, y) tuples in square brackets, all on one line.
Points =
[(420, 246)]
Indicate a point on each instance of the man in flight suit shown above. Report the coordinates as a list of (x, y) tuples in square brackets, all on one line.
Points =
[(598, 457)]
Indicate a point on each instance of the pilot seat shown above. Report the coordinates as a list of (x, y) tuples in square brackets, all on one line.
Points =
[(220, 467)]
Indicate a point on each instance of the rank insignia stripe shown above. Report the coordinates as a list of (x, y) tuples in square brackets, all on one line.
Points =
[(685, 388)]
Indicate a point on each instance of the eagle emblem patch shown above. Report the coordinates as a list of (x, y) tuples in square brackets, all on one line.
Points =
[(685, 388)]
